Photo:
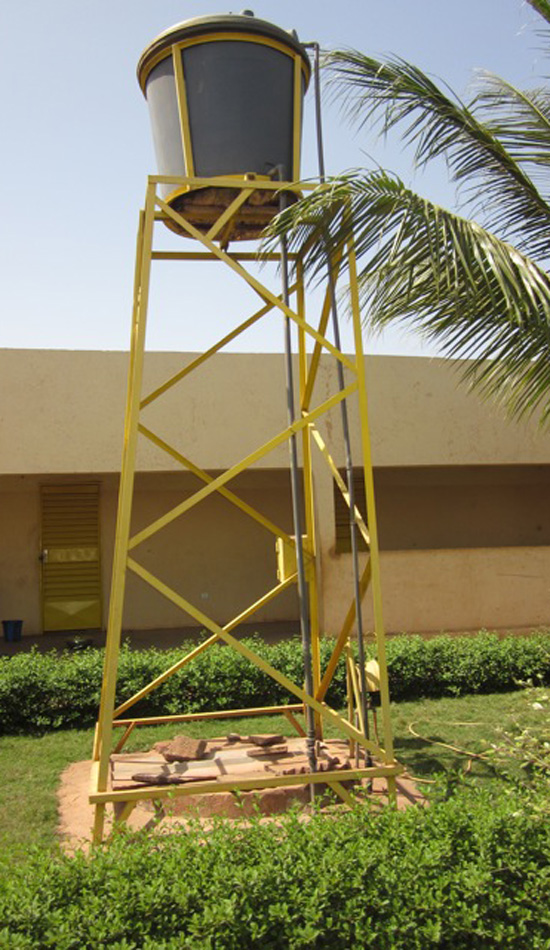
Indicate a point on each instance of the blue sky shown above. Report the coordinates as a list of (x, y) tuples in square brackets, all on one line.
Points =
[(77, 150)]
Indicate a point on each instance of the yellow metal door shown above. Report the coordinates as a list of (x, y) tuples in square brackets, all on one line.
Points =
[(71, 570)]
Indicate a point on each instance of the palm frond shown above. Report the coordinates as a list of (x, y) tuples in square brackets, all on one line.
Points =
[(519, 119), (459, 284), (437, 124), (542, 7)]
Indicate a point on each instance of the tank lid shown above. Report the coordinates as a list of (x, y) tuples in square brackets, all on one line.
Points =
[(226, 23)]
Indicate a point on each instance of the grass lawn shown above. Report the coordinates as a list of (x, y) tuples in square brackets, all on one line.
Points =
[(30, 766)]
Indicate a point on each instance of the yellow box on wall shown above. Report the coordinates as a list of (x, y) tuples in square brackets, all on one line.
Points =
[(286, 559)]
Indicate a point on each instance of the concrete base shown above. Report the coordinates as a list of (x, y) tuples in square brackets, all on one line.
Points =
[(243, 760), (227, 760)]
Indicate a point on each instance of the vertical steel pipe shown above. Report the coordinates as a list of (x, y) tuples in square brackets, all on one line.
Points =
[(354, 535), (305, 626)]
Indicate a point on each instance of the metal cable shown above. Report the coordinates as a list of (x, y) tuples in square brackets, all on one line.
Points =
[(345, 420), (305, 625)]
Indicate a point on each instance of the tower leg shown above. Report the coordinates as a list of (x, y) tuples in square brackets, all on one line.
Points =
[(303, 586), (99, 821), (371, 510), (309, 503), (139, 320)]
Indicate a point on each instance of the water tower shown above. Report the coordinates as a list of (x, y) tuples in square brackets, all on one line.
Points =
[(225, 96)]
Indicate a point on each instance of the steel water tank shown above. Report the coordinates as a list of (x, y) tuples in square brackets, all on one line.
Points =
[(225, 99)]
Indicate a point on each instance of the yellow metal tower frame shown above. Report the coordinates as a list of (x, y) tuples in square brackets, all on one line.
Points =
[(156, 211)]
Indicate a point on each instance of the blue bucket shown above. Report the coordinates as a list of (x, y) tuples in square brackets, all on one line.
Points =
[(12, 630)]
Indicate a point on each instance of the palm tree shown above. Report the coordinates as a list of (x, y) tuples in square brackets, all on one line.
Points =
[(477, 283)]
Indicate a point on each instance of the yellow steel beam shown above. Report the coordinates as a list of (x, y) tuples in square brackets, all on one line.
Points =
[(297, 116), (229, 212), (139, 319), (95, 747), (217, 714), (309, 506), (356, 691), (322, 329), (228, 181), (142, 693), (99, 819), (330, 714), (371, 510), (344, 634), (258, 256), (256, 285), (126, 735), (99, 811), (342, 793), (94, 771), (225, 477), (123, 810), (294, 722), (206, 355), (244, 784), (240, 618), (205, 477), (340, 482), (181, 93)]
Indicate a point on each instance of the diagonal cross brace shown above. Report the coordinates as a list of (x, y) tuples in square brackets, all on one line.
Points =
[(240, 618), (326, 711), (211, 351), (320, 442), (205, 477), (256, 285), (239, 467)]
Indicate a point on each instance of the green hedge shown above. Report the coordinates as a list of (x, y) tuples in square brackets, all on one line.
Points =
[(472, 872), (40, 692)]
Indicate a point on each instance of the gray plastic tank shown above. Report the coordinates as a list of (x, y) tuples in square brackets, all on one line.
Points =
[(221, 94)]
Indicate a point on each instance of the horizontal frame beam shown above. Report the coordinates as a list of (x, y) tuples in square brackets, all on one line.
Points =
[(243, 785), (266, 184), (258, 256), (215, 714)]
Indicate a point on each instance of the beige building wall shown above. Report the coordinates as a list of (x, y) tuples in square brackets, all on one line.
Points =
[(495, 575), (19, 549), (62, 412), (218, 559), (449, 590), (62, 419)]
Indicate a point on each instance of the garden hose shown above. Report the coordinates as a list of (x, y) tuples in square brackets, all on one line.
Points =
[(446, 745)]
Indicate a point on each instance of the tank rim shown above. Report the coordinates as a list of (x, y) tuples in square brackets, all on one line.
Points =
[(213, 24)]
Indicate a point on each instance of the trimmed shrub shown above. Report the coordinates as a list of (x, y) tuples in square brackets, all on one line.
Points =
[(41, 692), (453, 666), (471, 872)]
